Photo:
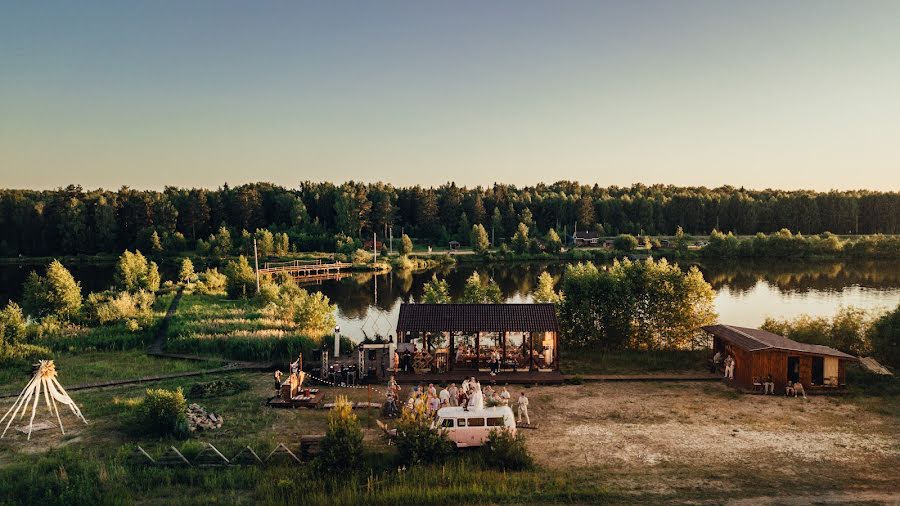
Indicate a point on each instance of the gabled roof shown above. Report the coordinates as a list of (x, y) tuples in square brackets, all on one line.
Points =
[(758, 339), (477, 318), (585, 234)]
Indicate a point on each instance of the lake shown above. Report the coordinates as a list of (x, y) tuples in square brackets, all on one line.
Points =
[(746, 291)]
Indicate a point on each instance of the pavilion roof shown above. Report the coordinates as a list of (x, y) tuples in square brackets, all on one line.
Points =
[(477, 318)]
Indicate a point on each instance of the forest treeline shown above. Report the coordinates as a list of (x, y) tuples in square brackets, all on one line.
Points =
[(72, 220)]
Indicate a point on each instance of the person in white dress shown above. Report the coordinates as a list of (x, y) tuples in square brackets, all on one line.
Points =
[(476, 398)]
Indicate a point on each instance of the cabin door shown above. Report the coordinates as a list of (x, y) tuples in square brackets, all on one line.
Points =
[(793, 369), (818, 370)]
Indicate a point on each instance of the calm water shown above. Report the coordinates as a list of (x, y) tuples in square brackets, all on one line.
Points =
[(746, 292)]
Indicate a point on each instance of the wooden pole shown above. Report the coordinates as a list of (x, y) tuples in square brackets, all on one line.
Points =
[(256, 263)]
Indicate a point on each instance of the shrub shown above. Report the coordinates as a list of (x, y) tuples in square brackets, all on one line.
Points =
[(217, 388), (507, 452), (134, 272), (361, 256), (22, 354), (162, 412), (107, 307), (186, 273), (341, 450), (884, 335), (417, 442), (212, 282), (12, 325), (625, 242), (56, 294), (241, 278), (406, 245), (311, 312)]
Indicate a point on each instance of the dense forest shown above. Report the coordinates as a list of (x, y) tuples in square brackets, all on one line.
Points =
[(72, 220)]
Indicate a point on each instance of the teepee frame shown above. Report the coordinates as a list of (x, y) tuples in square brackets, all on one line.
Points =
[(44, 382)]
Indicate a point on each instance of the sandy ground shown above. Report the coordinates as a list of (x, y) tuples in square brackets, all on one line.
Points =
[(667, 437)]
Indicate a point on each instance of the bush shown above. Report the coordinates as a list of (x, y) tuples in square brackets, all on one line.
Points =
[(134, 272), (217, 388), (417, 442), (311, 312), (241, 278), (22, 354), (186, 272), (341, 450), (884, 335), (12, 325), (212, 282), (507, 452), (625, 242), (107, 307), (361, 256), (162, 412), (56, 294)]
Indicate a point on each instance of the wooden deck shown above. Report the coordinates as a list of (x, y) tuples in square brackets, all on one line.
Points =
[(484, 377), (304, 269)]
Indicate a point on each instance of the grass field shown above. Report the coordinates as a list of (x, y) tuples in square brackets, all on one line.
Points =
[(595, 443), (213, 325), (632, 361), (618, 443)]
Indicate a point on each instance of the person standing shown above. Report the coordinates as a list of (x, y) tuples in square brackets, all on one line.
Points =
[(454, 394), (278, 379), (504, 397), (444, 396), (523, 409), (729, 367)]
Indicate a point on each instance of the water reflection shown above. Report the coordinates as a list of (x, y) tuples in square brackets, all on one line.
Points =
[(746, 291)]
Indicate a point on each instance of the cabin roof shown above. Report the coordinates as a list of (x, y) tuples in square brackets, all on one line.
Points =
[(585, 234), (477, 318), (758, 339)]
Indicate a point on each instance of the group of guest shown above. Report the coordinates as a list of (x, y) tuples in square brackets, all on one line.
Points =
[(724, 360), (468, 394)]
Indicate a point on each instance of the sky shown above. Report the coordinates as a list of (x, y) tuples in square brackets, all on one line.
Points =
[(787, 94)]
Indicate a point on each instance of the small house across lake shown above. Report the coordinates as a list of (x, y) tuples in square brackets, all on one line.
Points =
[(447, 342), (758, 354)]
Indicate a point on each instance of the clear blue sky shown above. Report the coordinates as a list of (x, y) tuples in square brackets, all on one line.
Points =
[(797, 94)]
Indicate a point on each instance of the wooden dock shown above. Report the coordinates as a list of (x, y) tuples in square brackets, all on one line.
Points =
[(305, 270)]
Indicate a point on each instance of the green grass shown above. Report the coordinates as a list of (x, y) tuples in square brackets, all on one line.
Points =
[(236, 329), (96, 366), (632, 361)]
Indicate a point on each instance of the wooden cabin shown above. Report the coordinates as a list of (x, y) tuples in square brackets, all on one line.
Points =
[(758, 354), (457, 340)]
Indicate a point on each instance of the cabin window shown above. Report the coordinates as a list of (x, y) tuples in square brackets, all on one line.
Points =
[(447, 422), (495, 422), (476, 422), (460, 422)]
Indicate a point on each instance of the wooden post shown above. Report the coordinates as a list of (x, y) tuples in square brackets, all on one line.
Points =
[(502, 351), (256, 263), (451, 354), (477, 351), (531, 351)]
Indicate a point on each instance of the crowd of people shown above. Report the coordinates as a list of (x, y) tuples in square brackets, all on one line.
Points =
[(469, 395)]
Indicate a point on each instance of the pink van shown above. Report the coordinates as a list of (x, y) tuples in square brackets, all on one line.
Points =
[(471, 428)]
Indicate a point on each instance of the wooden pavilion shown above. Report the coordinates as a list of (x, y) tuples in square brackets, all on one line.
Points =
[(458, 340), (758, 354)]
